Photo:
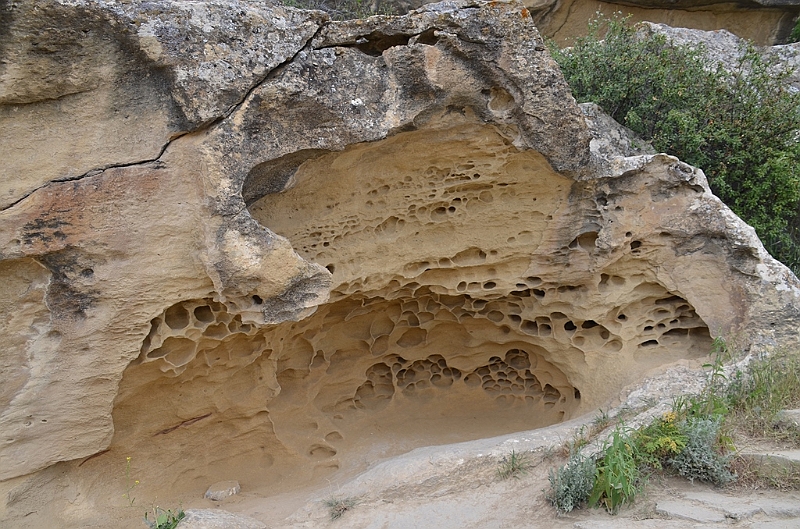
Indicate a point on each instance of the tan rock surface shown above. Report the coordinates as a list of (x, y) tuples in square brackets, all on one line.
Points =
[(208, 519), (365, 237), (765, 23), (96, 85)]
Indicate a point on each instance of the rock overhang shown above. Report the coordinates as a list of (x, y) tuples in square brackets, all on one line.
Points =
[(395, 220)]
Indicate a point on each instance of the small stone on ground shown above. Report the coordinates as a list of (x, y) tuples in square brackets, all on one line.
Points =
[(222, 489)]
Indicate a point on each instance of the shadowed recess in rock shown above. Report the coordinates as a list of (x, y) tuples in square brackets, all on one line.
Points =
[(437, 330)]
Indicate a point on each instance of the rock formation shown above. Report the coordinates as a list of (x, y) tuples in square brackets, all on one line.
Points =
[(764, 22), (239, 241), (725, 48)]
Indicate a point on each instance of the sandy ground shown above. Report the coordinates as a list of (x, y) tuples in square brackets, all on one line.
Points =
[(444, 486), (458, 487)]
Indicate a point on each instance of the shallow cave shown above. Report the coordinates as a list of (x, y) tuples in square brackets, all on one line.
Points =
[(444, 325)]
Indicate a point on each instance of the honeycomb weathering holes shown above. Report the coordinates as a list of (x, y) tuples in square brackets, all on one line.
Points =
[(459, 341), (422, 355)]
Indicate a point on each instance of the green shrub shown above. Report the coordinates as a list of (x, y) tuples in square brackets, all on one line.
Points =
[(738, 125), (571, 484), (700, 458), (660, 440), (617, 479), (794, 36)]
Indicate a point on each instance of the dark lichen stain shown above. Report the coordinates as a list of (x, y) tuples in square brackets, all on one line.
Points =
[(43, 230), (67, 294)]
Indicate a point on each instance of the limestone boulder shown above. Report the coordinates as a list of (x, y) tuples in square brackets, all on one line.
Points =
[(222, 489), (343, 241), (610, 140)]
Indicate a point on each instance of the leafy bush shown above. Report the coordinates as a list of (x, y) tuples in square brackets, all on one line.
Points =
[(700, 459), (739, 125), (617, 479), (571, 484), (661, 439), (794, 36)]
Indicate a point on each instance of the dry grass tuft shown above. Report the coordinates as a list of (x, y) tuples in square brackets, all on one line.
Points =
[(338, 506)]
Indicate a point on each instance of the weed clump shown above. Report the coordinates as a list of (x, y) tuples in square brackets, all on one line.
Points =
[(572, 483), (164, 518), (661, 439), (338, 506), (618, 478), (513, 465), (700, 459)]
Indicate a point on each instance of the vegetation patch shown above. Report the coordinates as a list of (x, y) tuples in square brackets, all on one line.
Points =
[(739, 122), (701, 457), (794, 36), (661, 440), (337, 506), (618, 477), (757, 395), (695, 439), (765, 473), (163, 518), (572, 483), (513, 465)]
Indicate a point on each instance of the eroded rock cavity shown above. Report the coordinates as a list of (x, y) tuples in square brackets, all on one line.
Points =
[(446, 324), (361, 237)]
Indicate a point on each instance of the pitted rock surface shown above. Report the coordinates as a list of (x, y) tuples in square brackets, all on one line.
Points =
[(282, 248)]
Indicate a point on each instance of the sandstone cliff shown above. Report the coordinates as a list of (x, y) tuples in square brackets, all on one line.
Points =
[(239, 238)]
